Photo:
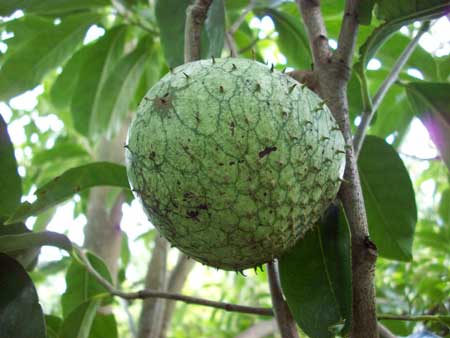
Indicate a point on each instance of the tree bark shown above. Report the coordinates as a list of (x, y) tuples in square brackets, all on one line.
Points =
[(102, 232), (333, 72)]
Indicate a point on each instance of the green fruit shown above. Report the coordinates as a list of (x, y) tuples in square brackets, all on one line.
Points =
[(233, 161)]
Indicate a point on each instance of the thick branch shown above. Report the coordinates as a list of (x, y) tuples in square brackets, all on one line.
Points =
[(195, 17), (149, 293), (333, 74), (385, 86), (285, 321), (306, 77), (317, 33)]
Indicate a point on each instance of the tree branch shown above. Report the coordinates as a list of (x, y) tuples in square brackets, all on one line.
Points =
[(231, 44), (333, 74), (315, 26), (235, 26), (78, 254), (229, 35), (385, 86), (285, 321), (420, 318), (349, 29), (149, 293), (195, 17)]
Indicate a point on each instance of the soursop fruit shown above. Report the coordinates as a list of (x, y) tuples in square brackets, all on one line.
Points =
[(233, 161)]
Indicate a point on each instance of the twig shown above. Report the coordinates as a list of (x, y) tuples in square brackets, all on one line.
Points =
[(195, 17), (148, 293), (235, 26), (286, 322), (250, 45), (384, 332), (231, 44), (229, 35), (79, 254), (420, 318), (385, 86), (128, 16)]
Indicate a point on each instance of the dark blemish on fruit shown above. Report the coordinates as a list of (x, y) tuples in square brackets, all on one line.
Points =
[(266, 151)]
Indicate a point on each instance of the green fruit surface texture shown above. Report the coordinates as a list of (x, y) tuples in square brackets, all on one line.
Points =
[(233, 161)]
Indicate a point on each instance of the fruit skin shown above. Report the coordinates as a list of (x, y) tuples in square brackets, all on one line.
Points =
[(233, 161)]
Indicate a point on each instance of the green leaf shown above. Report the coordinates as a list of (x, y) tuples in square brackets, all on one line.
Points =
[(19, 303), (70, 183), (29, 240), (79, 322), (125, 253), (10, 181), (213, 35), (63, 150), (443, 65), (430, 102), (48, 7), (98, 65), (292, 33), (61, 92), (26, 256), (393, 116), (120, 87), (389, 198), (444, 206), (397, 14), (241, 4), (397, 327), (419, 59), (25, 66), (364, 11), (316, 277), (401, 9), (24, 29), (171, 18), (104, 326), (53, 325), (81, 285)]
